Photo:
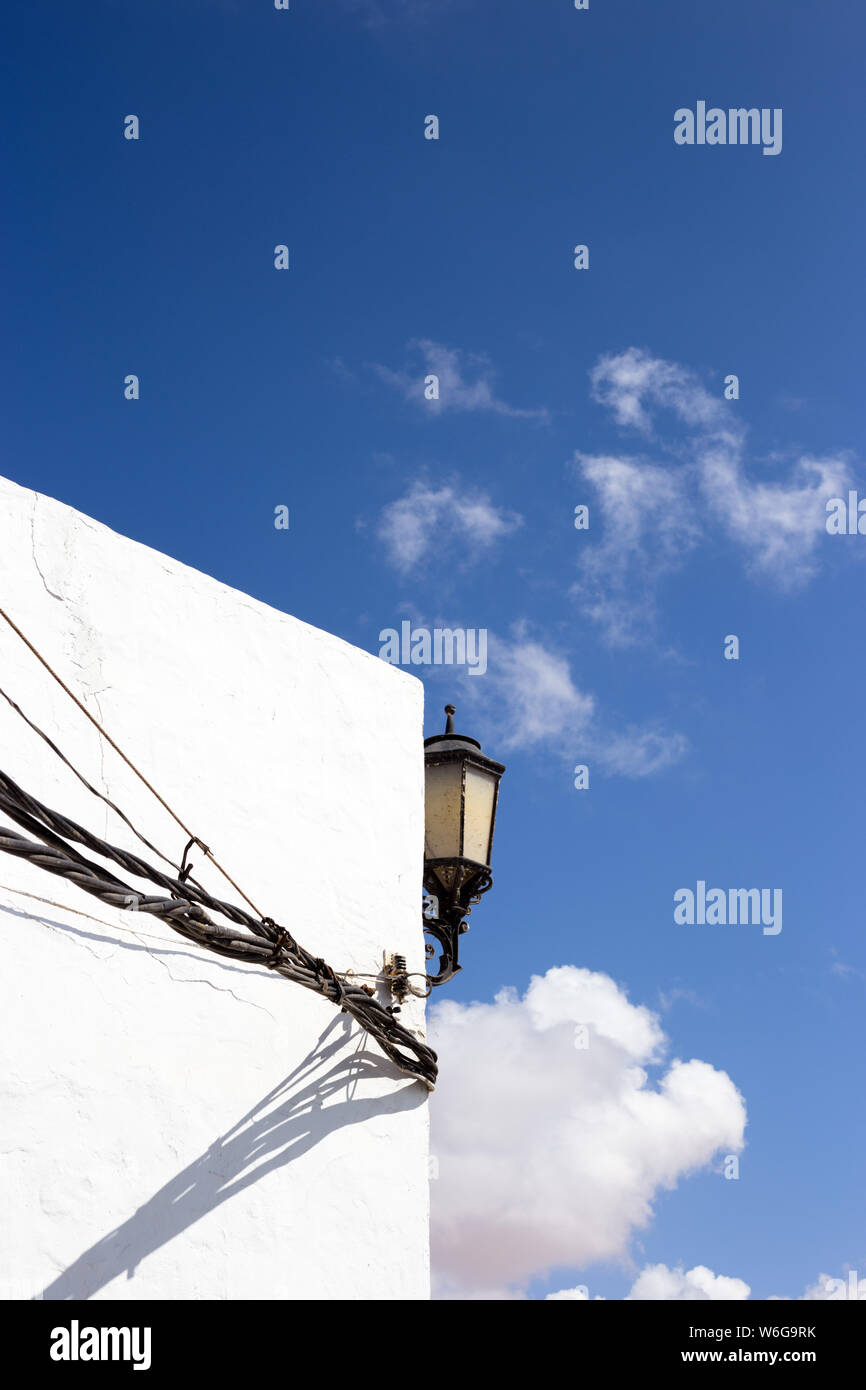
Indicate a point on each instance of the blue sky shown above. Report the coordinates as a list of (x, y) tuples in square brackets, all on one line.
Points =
[(603, 387)]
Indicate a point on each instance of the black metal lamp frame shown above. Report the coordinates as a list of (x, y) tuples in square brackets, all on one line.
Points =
[(456, 883)]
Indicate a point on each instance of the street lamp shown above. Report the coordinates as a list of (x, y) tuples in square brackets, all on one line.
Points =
[(461, 788)]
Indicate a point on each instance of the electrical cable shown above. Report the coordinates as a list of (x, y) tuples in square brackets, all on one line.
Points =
[(184, 911)]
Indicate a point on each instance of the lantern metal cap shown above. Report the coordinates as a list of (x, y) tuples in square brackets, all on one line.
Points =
[(449, 740)]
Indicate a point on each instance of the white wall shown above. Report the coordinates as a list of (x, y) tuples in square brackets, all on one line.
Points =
[(173, 1125)]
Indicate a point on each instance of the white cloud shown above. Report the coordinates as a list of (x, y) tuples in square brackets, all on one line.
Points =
[(465, 381), (427, 519), (552, 1155), (648, 529), (778, 525), (846, 971), (626, 381), (530, 698), (659, 1282), (827, 1288), (531, 694), (640, 752), (653, 515)]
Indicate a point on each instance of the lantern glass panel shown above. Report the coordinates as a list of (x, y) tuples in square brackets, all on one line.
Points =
[(479, 811), (443, 810)]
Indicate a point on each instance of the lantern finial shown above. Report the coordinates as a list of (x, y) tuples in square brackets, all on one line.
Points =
[(450, 710)]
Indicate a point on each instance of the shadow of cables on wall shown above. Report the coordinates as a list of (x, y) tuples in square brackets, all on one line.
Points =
[(283, 1125)]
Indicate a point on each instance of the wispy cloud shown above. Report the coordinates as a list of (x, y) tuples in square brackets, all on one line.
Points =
[(843, 970), (629, 382), (777, 525), (550, 1154), (530, 695), (466, 381), (669, 997), (648, 530), (640, 752), (441, 519), (654, 514), (529, 698)]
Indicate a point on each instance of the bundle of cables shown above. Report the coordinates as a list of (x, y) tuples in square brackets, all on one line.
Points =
[(185, 905)]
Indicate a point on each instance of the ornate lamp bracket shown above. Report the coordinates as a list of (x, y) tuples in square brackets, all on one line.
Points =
[(455, 904)]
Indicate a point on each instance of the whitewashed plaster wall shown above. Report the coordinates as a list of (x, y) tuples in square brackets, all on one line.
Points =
[(175, 1125)]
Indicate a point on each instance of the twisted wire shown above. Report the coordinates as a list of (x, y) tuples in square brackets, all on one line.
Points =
[(130, 764), (89, 785), (270, 945), (184, 910)]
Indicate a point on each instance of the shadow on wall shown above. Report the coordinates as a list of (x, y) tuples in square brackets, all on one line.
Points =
[(286, 1123)]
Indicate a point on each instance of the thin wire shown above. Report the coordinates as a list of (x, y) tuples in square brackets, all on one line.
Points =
[(128, 761), (407, 975), (96, 792), (184, 910), (140, 936), (268, 944), (64, 907)]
